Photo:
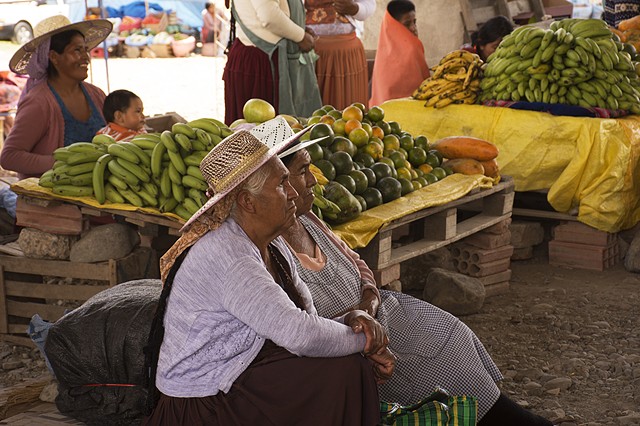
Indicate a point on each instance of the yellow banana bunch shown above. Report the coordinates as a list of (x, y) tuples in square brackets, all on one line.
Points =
[(322, 181), (456, 79)]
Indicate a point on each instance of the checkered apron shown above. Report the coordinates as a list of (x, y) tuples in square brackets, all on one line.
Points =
[(434, 348)]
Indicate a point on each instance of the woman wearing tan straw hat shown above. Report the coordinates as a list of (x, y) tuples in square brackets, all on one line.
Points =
[(236, 340), (435, 348), (57, 106)]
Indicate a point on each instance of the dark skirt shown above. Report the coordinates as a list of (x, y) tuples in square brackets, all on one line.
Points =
[(280, 388), (248, 75)]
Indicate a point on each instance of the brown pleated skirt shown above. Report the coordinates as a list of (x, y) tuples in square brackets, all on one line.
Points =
[(281, 389), (248, 75), (342, 70)]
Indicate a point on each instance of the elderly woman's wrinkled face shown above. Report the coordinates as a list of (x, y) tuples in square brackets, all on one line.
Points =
[(275, 205), (302, 180), (73, 62)]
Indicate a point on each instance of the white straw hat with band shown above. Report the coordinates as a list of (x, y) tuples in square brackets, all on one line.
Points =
[(276, 131), (94, 32), (234, 159)]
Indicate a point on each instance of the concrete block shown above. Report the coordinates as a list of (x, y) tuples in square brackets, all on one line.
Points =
[(526, 234)]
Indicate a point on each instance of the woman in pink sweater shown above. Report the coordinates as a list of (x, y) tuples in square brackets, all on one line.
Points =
[(57, 107)]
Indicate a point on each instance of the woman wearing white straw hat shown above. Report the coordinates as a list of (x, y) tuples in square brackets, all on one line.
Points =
[(57, 106), (236, 339)]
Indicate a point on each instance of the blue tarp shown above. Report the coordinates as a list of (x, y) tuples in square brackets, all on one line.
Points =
[(189, 12)]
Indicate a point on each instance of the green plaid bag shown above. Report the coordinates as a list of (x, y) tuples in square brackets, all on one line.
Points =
[(438, 409)]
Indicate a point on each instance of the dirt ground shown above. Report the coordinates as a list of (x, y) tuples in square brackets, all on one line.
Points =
[(577, 329), (574, 326)]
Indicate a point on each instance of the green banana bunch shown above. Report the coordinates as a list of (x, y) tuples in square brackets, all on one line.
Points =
[(159, 170), (575, 61), (325, 207)]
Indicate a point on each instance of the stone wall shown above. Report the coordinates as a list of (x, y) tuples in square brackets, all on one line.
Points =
[(439, 25)]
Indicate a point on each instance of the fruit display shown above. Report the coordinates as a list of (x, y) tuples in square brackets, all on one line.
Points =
[(366, 161), (629, 33), (153, 170), (468, 155), (456, 79), (575, 62)]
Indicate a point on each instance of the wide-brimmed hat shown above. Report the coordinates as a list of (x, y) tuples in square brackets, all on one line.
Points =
[(234, 159), (94, 32), (278, 133)]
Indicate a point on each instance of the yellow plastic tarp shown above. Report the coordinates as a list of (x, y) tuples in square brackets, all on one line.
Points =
[(361, 230), (588, 163), (30, 187)]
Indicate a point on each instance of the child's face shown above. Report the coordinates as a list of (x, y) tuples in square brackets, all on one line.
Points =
[(133, 117), (409, 21), (487, 49)]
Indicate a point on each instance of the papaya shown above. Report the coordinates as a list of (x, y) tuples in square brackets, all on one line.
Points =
[(349, 205), (630, 23), (491, 168), (466, 166), (466, 147)]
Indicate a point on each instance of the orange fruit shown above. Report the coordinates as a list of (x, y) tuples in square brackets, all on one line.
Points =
[(338, 126), (403, 173), (318, 113), (352, 113), (327, 119), (335, 114), (375, 114), (368, 128), (417, 156), (359, 137), (313, 120), (378, 141), (391, 142), (377, 132), (352, 124), (360, 106), (425, 168), (373, 149)]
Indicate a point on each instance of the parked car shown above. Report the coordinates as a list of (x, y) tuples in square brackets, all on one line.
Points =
[(18, 18), (587, 9)]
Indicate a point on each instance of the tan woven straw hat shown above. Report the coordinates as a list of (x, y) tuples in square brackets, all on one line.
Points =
[(234, 159), (94, 31)]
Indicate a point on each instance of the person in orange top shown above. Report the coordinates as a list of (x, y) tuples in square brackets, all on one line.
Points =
[(124, 113), (396, 75)]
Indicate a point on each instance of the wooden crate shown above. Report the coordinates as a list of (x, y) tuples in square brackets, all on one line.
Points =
[(436, 227), (23, 292)]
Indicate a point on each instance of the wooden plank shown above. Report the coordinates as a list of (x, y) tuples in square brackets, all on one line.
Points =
[(467, 17), (18, 340), (51, 291), (12, 249), (465, 228), (113, 273), (505, 186), (29, 309), (542, 214), (3, 303), (441, 226), (387, 275), (90, 271), (498, 204)]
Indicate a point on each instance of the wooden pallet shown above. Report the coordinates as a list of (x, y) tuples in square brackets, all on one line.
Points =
[(436, 227), (23, 292)]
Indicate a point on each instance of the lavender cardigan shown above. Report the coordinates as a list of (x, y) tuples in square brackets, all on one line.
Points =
[(224, 304)]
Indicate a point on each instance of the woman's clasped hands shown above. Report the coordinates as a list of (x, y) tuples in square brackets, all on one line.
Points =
[(376, 348)]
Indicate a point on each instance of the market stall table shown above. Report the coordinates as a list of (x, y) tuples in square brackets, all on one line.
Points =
[(591, 164)]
